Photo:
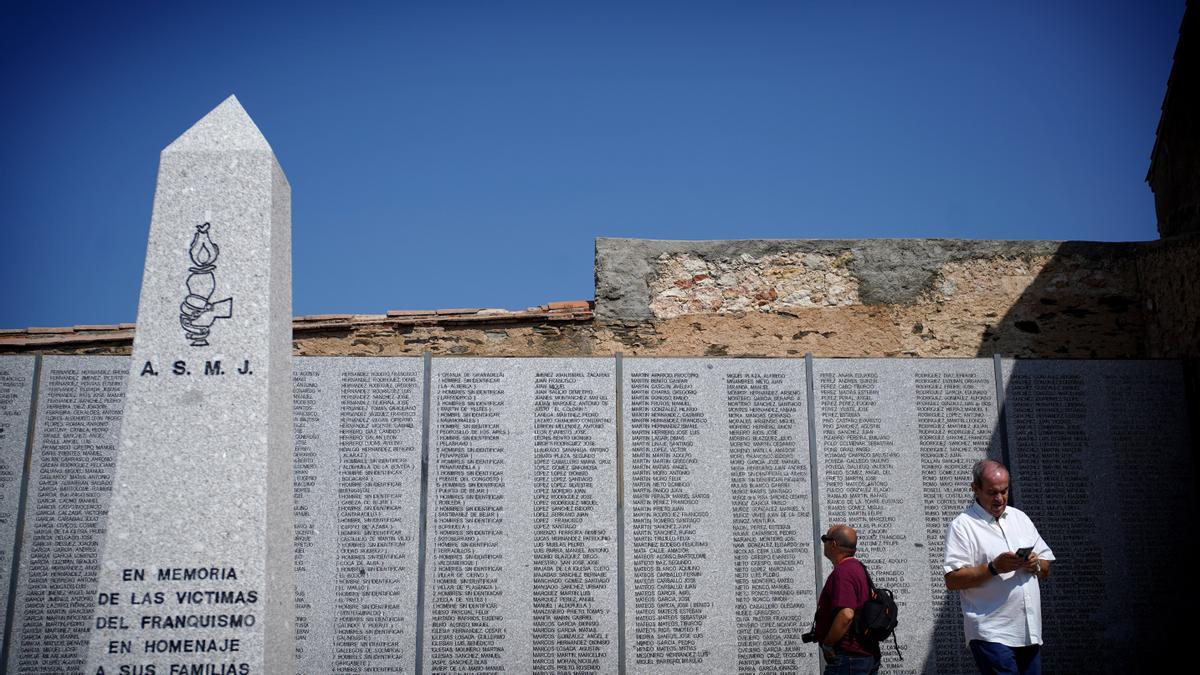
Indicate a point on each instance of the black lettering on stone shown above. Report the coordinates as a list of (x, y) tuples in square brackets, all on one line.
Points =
[(79, 416), (663, 510), (466, 566), (571, 625), (769, 488)]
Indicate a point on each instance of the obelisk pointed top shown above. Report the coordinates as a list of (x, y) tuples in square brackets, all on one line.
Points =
[(227, 127)]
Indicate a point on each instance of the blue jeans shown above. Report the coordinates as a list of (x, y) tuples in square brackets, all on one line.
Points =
[(850, 664), (994, 658)]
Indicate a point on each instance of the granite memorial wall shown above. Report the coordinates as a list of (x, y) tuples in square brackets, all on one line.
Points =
[(521, 557), (79, 404), (1100, 452), (357, 506), (896, 442), (512, 535), (718, 516), (16, 395)]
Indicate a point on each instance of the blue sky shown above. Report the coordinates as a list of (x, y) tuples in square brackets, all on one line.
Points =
[(466, 154)]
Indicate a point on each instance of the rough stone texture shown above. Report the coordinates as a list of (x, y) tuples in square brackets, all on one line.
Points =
[(16, 392), (777, 273), (1169, 273), (687, 284), (203, 477), (905, 297)]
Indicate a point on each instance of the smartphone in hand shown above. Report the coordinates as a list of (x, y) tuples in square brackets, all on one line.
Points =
[(1024, 551)]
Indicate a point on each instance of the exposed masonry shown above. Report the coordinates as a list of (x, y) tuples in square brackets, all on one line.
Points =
[(688, 284), (638, 279), (909, 297)]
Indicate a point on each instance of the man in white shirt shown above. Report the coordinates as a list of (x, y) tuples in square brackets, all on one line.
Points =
[(1001, 599)]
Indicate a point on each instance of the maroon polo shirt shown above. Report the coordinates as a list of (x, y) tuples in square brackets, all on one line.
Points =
[(846, 587)]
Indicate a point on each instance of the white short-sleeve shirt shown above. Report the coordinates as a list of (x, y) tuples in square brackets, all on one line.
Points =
[(1008, 607)]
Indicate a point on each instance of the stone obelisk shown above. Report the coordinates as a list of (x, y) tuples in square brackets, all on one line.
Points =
[(196, 572)]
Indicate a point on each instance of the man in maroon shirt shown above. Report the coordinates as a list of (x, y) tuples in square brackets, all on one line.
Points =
[(844, 593)]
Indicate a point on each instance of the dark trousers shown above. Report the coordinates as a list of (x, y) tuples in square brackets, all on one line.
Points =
[(850, 664), (994, 658)]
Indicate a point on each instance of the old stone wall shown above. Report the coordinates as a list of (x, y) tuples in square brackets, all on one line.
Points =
[(851, 298), (905, 297), (1169, 273)]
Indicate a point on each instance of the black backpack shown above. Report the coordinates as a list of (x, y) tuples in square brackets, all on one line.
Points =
[(877, 619)]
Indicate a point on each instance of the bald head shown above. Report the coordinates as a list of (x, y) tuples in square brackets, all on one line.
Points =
[(845, 536), (989, 482), (988, 469), (839, 542)]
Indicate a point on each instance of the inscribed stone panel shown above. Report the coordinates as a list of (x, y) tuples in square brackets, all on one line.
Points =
[(79, 414), (16, 390), (357, 505), (718, 522), (896, 441), (201, 508), (522, 541), (1100, 455)]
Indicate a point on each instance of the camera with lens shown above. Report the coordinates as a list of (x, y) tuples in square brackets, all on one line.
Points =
[(810, 636)]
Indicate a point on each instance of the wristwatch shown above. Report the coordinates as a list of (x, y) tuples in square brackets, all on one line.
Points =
[(992, 569)]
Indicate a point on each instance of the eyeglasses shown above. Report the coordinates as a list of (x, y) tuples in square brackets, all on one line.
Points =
[(827, 538)]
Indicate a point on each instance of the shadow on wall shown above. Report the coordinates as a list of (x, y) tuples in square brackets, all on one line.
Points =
[(1099, 300), (1104, 454), (948, 652), (1095, 300), (1083, 302), (1100, 459)]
